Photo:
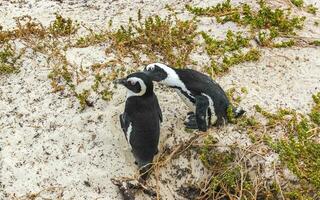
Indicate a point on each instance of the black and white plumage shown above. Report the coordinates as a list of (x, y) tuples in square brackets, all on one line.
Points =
[(141, 119), (204, 96)]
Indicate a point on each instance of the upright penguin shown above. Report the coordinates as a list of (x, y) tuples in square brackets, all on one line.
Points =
[(202, 94), (141, 119)]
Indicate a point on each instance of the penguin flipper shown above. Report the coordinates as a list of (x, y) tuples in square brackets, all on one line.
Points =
[(202, 104), (124, 122), (158, 109)]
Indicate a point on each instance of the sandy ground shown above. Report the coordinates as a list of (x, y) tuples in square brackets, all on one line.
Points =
[(47, 142)]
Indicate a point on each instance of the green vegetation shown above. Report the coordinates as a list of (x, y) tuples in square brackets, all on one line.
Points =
[(301, 153), (229, 175), (299, 150), (268, 23), (62, 26), (311, 9), (233, 96), (4, 35), (298, 3), (230, 50), (171, 40), (315, 43), (237, 58), (277, 20), (102, 80), (57, 75), (8, 60), (284, 44), (315, 111), (265, 25), (63, 75), (220, 9), (91, 39), (26, 28), (83, 99), (233, 42)]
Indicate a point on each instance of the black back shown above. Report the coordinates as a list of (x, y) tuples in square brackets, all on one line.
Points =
[(198, 83)]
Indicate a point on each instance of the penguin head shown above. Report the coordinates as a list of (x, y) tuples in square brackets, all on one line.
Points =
[(157, 71), (137, 84)]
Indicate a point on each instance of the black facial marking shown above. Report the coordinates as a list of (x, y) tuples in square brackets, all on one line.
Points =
[(156, 73), (135, 86)]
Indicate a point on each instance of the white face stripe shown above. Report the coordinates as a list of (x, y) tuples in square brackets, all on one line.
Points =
[(142, 85), (172, 77)]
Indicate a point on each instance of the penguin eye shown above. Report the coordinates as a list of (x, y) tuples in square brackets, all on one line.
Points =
[(151, 68), (132, 82)]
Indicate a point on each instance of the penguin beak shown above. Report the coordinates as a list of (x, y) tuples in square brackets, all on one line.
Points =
[(121, 81), (146, 71)]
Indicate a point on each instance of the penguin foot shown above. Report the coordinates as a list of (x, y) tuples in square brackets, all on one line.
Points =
[(190, 117), (191, 124), (190, 113), (157, 151), (144, 172)]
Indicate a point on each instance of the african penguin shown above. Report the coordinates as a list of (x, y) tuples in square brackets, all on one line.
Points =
[(204, 96), (141, 119)]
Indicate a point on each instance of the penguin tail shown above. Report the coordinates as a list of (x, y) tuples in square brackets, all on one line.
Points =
[(238, 112)]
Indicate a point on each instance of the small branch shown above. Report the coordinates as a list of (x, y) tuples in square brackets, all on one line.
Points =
[(277, 182), (128, 189)]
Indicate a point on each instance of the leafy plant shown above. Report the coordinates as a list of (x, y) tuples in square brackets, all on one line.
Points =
[(224, 8), (315, 111), (268, 23), (8, 59), (62, 26), (311, 9), (230, 50), (299, 150), (298, 3), (164, 39), (315, 42), (284, 44)]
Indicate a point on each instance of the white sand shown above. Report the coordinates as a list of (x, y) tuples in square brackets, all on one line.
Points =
[(46, 142)]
